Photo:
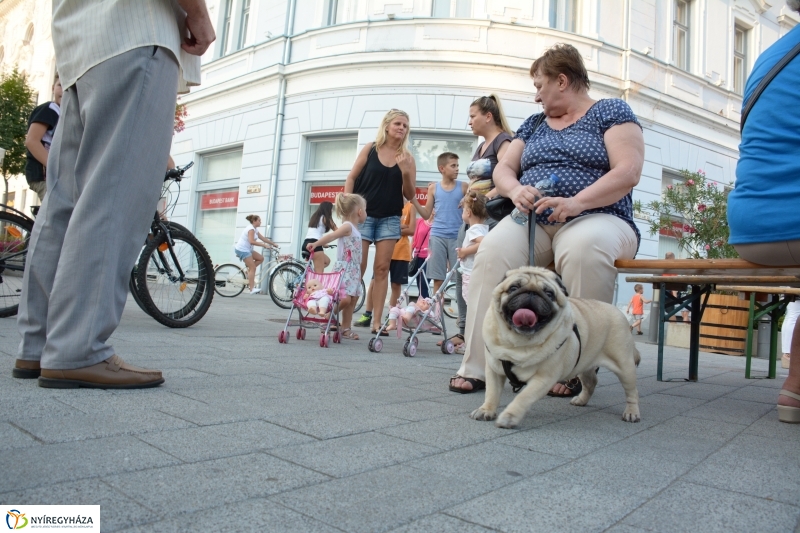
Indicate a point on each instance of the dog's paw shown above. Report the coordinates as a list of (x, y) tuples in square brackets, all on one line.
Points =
[(631, 414), (579, 400), (507, 420), (482, 414)]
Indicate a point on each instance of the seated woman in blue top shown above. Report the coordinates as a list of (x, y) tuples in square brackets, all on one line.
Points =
[(763, 209), (597, 150)]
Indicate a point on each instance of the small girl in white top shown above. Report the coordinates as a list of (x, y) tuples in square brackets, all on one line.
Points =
[(321, 222), (475, 215), (352, 209), (244, 249)]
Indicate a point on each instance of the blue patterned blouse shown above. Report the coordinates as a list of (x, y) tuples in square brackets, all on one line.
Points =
[(577, 155)]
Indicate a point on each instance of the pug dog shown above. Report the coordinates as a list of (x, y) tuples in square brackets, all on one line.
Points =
[(542, 336)]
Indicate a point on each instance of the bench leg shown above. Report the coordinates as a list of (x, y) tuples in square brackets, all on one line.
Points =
[(748, 347), (694, 340), (662, 297)]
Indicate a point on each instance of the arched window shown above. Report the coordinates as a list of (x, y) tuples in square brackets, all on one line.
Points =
[(2, 54), (28, 34)]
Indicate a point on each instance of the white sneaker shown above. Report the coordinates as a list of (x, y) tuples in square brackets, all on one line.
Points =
[(255, 291)]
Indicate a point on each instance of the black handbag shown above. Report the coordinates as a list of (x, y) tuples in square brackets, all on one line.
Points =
[(500, 207)]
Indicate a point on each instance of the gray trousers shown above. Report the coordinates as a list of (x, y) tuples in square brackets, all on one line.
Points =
[(104, 175)]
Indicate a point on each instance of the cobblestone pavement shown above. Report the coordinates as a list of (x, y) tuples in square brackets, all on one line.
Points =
[(250, 435)]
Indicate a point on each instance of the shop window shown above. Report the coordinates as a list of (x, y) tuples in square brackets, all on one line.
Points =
[(667, 241), (217, 203), (427, 149), (222, 167), (338, 154), (10, 197)]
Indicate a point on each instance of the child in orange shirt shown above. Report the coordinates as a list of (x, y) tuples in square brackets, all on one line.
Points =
[(637, 303)]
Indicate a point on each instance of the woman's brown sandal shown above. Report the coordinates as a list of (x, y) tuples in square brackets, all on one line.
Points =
[(349, 334), (456, 336)]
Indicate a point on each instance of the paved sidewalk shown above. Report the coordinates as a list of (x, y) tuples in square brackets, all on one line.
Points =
[(250, 435)]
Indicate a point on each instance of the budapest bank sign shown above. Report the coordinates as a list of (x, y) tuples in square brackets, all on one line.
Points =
[(219, 200), (327, 193)]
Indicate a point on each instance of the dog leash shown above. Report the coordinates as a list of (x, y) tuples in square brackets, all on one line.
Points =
[(515, 382)]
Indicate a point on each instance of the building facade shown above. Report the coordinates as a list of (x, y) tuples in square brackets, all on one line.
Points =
[(292, 89)]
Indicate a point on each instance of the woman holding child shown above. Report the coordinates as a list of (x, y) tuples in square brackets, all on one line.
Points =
[(597, 150), (383, 173)]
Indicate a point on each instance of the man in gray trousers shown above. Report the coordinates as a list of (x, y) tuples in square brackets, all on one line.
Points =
[(121, 64)]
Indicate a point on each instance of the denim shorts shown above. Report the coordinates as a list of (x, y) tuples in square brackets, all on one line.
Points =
[(380, 229), (242, 255)]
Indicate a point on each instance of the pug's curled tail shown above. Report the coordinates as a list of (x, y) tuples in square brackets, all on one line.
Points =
[(637, 357)]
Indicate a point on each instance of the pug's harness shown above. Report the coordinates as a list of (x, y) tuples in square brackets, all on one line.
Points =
[(514, 381)]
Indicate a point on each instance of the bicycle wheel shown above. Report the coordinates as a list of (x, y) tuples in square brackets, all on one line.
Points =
[(360, 302), (229, 280), (283, 281), (175, 283), (134, 289), (15, 232), (450, 304)]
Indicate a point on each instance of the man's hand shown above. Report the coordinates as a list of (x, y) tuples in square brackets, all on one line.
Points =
[(201, 32)]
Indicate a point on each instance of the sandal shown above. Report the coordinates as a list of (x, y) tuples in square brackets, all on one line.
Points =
[(349, 334), (573, 386), (787, 413), (384, 333), (456, 336), (477, 385)]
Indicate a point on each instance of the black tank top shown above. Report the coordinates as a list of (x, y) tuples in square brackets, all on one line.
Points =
[(381, 187)]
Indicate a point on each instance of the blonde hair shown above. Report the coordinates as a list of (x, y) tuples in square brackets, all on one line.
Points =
[(491, 104), (392, 114), (346, 203), (476, 203)]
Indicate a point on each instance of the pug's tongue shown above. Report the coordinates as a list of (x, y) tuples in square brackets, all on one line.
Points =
[(524, 318)]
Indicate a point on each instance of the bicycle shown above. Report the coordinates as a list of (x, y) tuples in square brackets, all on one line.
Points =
[(171, 280), (15, 233)]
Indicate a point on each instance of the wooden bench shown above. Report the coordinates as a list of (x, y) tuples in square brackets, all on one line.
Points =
[(703, 276)]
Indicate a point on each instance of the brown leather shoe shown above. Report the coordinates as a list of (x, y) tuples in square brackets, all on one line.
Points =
[(113, 373), (24, 369)]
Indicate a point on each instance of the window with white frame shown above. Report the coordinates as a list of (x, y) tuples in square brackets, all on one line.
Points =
[(681, 21), (331, 14), (217, 203), (332, 154), (426, 149), (225, 34), (244, 20), (564, 15), (452, 9), (740, 65)]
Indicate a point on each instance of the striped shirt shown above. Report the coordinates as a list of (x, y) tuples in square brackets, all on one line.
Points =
[(88, 32)]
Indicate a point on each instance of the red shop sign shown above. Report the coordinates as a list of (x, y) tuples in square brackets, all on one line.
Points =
[(219, 200), (327, 193)]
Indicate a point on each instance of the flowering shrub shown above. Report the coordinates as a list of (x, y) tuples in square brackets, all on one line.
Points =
[(696, 213), (180, 114)]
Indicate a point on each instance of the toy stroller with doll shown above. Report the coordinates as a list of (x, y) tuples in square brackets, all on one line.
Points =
[(316, 300), (426, 315)]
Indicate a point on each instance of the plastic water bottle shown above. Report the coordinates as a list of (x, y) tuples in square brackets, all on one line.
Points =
[(547, 187)]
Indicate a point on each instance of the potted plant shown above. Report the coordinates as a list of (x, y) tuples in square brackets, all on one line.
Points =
[(695, 212)]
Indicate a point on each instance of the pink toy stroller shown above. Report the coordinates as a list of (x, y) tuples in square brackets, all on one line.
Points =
[(333, 281), (427, 321)]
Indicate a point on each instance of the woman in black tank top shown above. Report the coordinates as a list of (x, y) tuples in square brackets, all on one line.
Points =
[(383, 173)]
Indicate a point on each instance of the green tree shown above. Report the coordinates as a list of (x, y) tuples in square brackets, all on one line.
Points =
[(16, 104)]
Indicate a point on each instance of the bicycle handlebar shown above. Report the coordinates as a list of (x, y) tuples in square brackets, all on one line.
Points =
[(176, 174)]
